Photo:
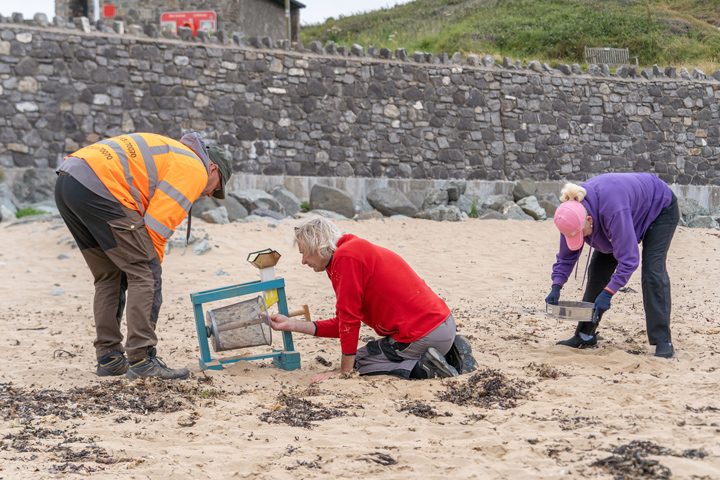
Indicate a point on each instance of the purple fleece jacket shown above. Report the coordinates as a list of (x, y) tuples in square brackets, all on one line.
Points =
[(622, 205)]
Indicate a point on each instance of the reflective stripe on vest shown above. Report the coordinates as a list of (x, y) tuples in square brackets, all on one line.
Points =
[(157, 226), (115, 147)]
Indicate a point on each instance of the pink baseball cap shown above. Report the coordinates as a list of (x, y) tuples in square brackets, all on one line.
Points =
[(570, 219)]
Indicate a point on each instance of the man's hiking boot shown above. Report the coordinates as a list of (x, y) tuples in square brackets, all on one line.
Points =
[(435, 365), (577, 342), (153, 367), (112, 365), (460, 356), (664, 350)]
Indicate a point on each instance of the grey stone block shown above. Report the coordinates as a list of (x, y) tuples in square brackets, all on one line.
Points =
[(185, 33), (524, 188), (239, 38), (328, 198), (357, 50), (390, 201), (287, 199), (442, 213), (565, 68), (82, 24), (531, 207)]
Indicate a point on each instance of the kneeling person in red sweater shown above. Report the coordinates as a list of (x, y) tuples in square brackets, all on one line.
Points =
[(377, 287)]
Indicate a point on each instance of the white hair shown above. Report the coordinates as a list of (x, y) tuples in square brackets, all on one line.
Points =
[(318, 235), (572, 192)]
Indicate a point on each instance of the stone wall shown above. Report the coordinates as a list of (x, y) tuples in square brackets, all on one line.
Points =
[(256, 18), (328, 112)]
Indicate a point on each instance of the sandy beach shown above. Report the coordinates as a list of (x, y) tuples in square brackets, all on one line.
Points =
[(532, 410)]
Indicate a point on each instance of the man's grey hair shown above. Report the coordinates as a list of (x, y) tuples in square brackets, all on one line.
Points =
[(318, 235)]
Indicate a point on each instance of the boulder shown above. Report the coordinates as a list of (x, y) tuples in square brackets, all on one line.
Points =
[(512, 211), (363, 206), (329, 214), (549, 208), (37, 185), (689, 209), (531, 206), (455, 188), (524, 188), (441, 213), (491, 215), (6, 215), (435, 198), (287, 199), (371, 215), (323, 197), (252, 199), (417, 197), (390, 201), (7, 198), (202, 205), (264, 212), (550, 197), (703, 221), (494, 202), (235, 210), (464, 204), (217, 215)]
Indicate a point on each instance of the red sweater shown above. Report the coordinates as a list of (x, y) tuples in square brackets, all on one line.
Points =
[(378, 288)]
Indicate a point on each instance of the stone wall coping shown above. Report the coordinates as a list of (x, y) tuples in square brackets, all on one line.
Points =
[(369, 60)]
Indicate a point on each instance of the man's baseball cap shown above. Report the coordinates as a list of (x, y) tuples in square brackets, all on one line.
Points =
[(219, 158), (570, 219)]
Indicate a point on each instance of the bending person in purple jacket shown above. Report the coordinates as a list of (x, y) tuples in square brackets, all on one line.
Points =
[(613, 213)]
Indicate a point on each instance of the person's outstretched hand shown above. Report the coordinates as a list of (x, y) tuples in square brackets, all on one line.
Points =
[(602, 302), (280, 322), (554, 296)]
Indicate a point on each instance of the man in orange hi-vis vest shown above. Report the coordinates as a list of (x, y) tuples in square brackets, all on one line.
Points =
[(122, 198)]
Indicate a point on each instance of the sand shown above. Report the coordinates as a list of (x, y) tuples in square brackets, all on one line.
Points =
[(575, 407)]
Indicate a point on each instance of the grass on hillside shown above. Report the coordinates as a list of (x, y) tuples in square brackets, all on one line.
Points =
[(666, 32)]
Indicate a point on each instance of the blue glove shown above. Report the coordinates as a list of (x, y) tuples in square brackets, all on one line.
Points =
[(554, 296), (602, 302)]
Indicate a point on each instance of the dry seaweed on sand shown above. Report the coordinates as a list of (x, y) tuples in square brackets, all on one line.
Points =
[(60, 446), (323, 362), (632, 467), (544, 371), (422, 410), (487, 388), (650, 448), (298, 412), (103, 398), (630, 461)]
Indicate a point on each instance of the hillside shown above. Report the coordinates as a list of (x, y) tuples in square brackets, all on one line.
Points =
[(666, 32)]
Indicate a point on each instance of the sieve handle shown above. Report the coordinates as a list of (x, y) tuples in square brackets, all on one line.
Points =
[(304, 311), (240, 324)]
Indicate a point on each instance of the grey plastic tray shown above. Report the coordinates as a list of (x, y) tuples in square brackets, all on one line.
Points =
[(571, 311)]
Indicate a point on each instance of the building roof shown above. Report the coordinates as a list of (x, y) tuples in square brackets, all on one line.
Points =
[(293, 3)]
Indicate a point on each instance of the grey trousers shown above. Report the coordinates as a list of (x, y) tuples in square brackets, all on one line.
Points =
[(121, 257), (390, 357)]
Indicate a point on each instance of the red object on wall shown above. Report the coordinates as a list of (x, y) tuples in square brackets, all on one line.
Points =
[(196, 20), (109, 11)]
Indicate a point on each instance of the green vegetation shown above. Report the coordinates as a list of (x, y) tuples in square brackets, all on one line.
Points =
[(473, 210), (26, 212), (666, 32), (304, 206)]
